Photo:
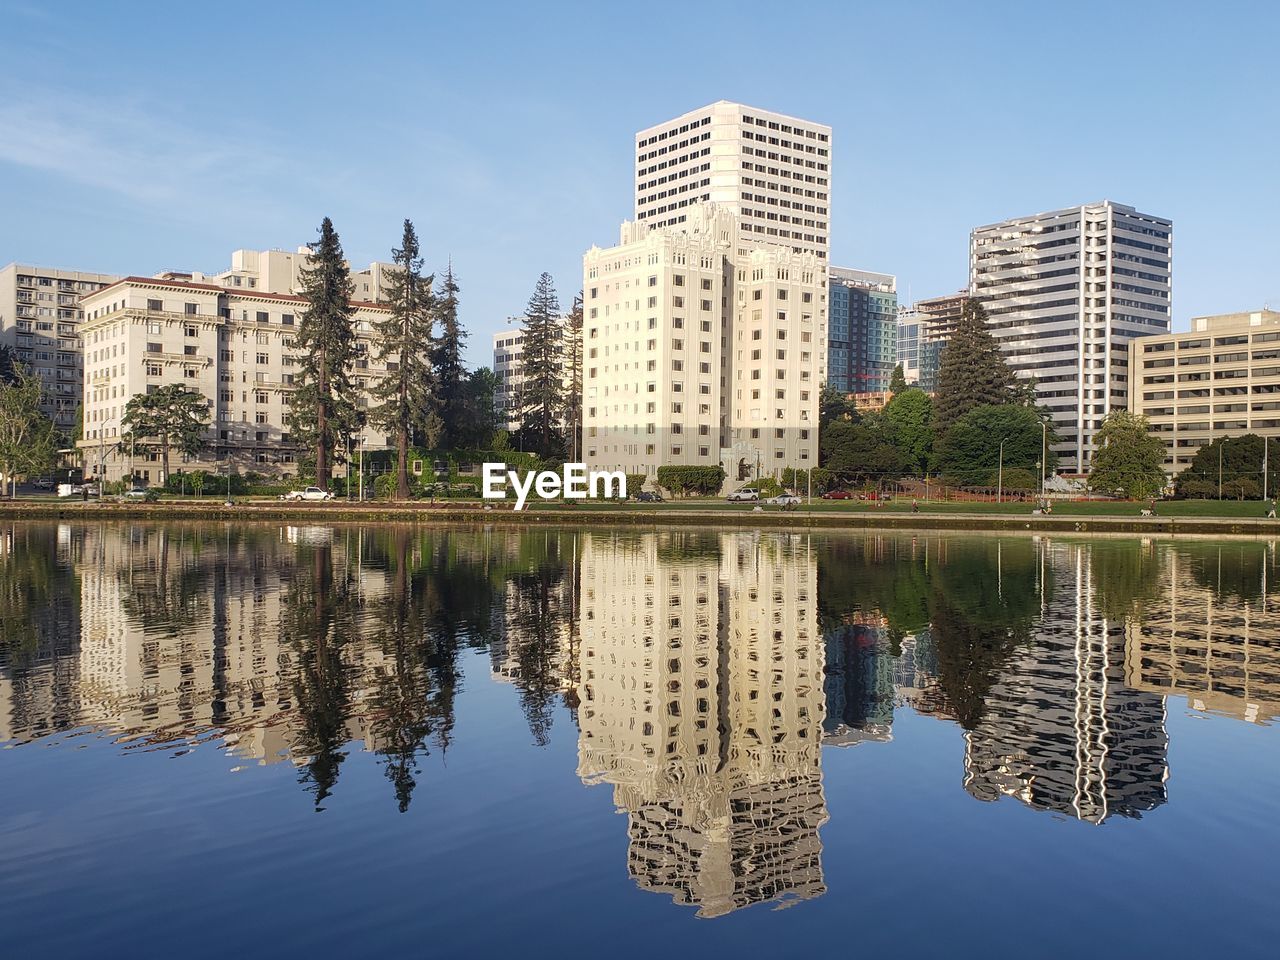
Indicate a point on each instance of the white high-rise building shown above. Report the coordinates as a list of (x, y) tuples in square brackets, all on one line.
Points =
[(699, 351), (770, 170), (1066, 291)]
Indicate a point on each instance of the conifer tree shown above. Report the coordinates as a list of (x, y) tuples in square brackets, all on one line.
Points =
[(446, 362), (542, 394), (573, 382), (972, 372), (172, 417), (321, 409), (898, 381), (405, 394)]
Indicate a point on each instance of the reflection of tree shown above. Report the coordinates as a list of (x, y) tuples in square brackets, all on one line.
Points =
[(166, 584), (36, 592), (980, 596), (1126, 576), (537, 627), (1237, 570), (986, 596), (317, 620), (415, 688)]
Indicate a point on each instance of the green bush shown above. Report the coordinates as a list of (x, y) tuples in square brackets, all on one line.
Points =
[(768, 487), (683, 481), (635, 483)]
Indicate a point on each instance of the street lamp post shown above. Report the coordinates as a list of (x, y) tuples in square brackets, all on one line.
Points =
[(1044, 453), (1000, 475), (1220, 445)]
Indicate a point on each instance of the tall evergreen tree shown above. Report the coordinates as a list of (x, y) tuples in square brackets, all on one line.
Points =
[(898, 381), (542, 394), (573, 384), (446, 361), (405, 394), (321, 408), (1129, 458), (972, 372)]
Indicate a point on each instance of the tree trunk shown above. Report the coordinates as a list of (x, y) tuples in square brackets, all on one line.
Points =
[(322, 428), (402, 433), (164, 458)]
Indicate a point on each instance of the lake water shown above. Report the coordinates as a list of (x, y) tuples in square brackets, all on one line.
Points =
[(317, 741)]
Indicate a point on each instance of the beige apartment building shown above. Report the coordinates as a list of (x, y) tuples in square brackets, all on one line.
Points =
[(40, 314), (231, 340), (700, 350), (1221, 379), (770, 170)]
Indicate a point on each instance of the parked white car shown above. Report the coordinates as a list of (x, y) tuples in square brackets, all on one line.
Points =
[(743, 496), (309, 493), (785, 500)]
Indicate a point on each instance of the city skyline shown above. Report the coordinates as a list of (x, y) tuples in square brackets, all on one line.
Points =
[(130, 167)]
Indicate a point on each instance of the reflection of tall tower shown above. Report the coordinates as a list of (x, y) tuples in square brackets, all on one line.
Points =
[(702, 706), (858, 681), (1222, 652), (1060, 730)]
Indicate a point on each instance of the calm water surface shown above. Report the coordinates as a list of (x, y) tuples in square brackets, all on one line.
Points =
[(232, 740)]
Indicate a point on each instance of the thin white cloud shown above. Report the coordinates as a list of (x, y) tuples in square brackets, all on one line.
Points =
[(150, 156)]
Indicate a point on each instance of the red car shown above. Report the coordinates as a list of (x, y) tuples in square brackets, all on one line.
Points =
[(837, 495)]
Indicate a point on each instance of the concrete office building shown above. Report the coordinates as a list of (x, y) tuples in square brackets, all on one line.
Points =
[(771, 171), (700, 351), (924, 329), (233, 345), (862, 330), (1066, 292), (1222, 379), (40, 316)]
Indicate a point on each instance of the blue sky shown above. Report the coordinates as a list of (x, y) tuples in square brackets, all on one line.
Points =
[(141, 137)]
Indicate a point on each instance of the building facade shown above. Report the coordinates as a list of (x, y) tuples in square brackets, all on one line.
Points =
[(1222, 379), (40, 314), (924, 329), (771, 171), (862, 330), (1066, 292), (233, 345), (699, 351)]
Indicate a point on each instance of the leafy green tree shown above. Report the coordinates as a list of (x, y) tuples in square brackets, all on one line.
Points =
[(321, 407), (542, 394), (969, 452), (446, 362), (856, 453), (1240, 458), (171, 418), (573, 384), (898, 381), (1130, 459), (910, 414), (972, 372), (28, 438), (834, 405), (405, 394)]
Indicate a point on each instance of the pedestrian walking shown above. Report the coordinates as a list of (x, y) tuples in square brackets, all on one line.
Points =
[(1271, 514)]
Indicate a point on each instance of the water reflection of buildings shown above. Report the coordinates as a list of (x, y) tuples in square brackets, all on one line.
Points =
[(701, 704), (1217, 648), (858, 682), (1059, 729)]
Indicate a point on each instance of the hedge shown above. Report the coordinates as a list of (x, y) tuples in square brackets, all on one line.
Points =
[(682, 481)]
